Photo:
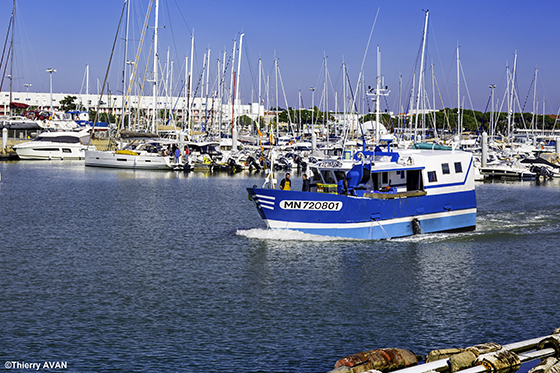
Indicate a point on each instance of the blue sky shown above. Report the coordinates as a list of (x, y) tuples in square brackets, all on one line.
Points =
[(67, 35)]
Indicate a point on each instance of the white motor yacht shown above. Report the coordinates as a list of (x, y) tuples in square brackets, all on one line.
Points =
[(56, 145)]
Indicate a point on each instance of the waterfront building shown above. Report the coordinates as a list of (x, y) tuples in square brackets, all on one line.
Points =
[(206, 113)]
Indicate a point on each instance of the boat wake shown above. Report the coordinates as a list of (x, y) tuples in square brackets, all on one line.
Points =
[(285, 235)]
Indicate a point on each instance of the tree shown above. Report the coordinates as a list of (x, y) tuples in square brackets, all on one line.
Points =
[(67, 103), (102, 117), (244, 121)]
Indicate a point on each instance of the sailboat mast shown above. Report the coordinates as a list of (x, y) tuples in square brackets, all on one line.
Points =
[(346, 124), (260, 99), (167, 65), (185, 87), (191, 98), (421, 72), (276, 88), (459, 120), (222, 90), (12, 55), (326, 115), (87, 88), (511, 93), (125, 63), (434, 100), (207, 89), (154, 106), (377, 99), (236, 99), (534, 102)]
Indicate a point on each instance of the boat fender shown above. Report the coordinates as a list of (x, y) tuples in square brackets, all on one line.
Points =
[(502, 360), (548, 365), (384, 359), (462, 360), (345, 369), (416, 227), (485, 348), (442, 354), (552, 341)]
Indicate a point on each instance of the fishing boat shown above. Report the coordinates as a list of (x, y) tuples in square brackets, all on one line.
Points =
[(378, 194), (56, 145)]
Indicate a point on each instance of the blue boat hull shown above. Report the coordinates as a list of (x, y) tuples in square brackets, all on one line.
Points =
[(365, 217)]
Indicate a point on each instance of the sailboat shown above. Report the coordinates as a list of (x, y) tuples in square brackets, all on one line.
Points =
[(140, 150)]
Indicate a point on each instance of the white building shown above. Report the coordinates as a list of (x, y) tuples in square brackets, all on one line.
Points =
[(204, 110)]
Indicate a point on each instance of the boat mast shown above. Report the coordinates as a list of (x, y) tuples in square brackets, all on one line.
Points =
[(276, 88), (459, 120), (185, 87), (207, 90), (12, 55), (543, 115), (222, 87), (87, 88), (379, 91), (511, 94), (377, 98), (421, 72), (125, 63), (534, 102), (326, 115), (260, 99), (155, 87), (346, 124), (167, 65), (434, 100)]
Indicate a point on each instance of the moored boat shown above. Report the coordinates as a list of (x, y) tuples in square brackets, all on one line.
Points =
[(378, 195), (56, 145), (143, 151)]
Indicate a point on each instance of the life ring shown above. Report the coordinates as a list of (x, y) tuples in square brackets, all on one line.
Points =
[(508, 159)]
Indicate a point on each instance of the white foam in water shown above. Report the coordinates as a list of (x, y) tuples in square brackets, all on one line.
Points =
[(285, 235)]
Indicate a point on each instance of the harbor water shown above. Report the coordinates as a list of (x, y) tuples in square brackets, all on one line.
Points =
[(122, 270)]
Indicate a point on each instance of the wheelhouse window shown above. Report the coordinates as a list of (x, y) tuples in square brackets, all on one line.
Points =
[(328, 177), (340, 175), (458, 168), (316, 175), (445, 168), (432, 178)]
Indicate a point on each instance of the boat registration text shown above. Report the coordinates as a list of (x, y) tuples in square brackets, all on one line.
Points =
[(311, 205)]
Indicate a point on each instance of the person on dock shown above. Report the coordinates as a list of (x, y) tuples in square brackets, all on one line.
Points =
[(285, 183), (177, 155)]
